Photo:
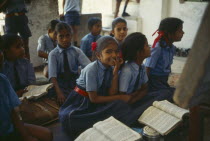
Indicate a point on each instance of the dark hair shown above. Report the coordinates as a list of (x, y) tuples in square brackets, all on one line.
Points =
[(102, 43), (8, 40), (52, 24), (116, 21), (61, 26), (92, 21), (132, 44), (169, 26)]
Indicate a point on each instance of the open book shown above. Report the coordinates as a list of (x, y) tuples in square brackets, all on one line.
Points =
[(109, 130), (162, 116), (36, 91)]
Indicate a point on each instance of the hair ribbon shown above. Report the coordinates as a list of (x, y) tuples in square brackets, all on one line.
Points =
[(93, 46), (160, 35)]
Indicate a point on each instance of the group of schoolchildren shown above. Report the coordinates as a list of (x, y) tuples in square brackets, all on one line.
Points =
[(105, 77)]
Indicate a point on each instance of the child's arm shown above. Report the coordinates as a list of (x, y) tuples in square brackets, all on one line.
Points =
[(62, 8), (114, 84), (60, 96), (42, 54), (82, 58), (94, 98), (20, 127), (137, 95), (148, 70)]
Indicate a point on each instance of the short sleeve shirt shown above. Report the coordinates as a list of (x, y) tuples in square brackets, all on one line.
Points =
[(8, 101), (160, 60), (92, 76), (75, 58), (128, 77), (45, 44)]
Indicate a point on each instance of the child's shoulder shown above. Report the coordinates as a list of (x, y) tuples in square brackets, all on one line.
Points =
[(127, 68), (23, 61), (91, 66), (43, 37), (86, 37)]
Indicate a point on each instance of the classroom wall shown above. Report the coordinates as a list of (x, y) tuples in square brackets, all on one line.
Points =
[(40, 13), (152, 11)]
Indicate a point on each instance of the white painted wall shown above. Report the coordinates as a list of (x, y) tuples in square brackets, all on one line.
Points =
[(152, 11), (191, 13)]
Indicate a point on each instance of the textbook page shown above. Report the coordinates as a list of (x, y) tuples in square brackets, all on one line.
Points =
[(35, 91), (116, 130), (170, 108), (159, 120), (92, 134)]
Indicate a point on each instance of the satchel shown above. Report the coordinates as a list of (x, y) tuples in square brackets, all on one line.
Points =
[(40, 112)]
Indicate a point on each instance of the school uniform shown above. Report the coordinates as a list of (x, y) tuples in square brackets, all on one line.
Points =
[(20, 73), (63, 65), (132, 77), (86, 43), (78, 113), (71, 10), (160, 63), (16, 20), (46, 44), (8, 101)]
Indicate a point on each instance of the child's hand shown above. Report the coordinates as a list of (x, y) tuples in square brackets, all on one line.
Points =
[(21, 92), (60, 98), (118, 62), (126, 98)]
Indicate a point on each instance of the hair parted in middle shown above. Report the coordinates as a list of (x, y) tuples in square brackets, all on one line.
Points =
[(102, 43), (61, 26)]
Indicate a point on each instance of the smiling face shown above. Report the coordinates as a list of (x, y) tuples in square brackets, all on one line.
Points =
[(96, 29), (120, 31), (64, 38), (109, 54)]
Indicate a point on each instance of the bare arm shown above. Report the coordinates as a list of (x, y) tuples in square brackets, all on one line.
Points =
[(19, 125), (148, 70), (137, 95), (114, 84), (94, 98), (60, 96), (63, 4), (42, 54)]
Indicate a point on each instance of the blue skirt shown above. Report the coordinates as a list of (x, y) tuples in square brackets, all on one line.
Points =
[(78, 113), (157, 83)]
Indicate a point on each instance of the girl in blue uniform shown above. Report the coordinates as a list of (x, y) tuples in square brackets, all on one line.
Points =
[(133, 77), (119, 30), (162, 52), (94, 26), (11, 126), (96, 95), (18, 70), (64, 61)]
